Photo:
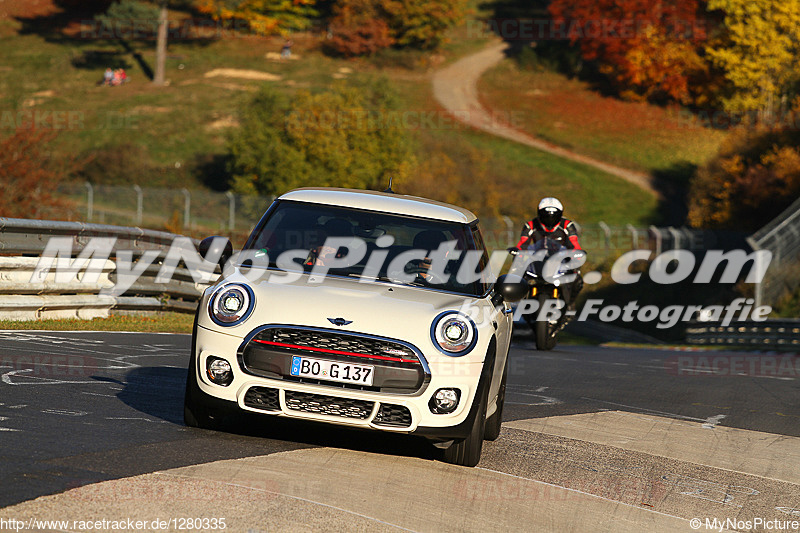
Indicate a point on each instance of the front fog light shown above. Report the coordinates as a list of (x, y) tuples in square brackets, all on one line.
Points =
[(444, 401), (219, 371)]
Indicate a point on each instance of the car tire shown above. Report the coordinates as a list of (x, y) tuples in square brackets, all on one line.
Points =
[(195, 414), (492, 431), (467, 452)]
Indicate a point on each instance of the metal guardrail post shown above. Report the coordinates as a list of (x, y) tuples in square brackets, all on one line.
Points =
[(657, 234), (607, 232), (231, 210), (510, 228), (139, 204), (634, 237), (676, 237), (89, 201), (187, 207)]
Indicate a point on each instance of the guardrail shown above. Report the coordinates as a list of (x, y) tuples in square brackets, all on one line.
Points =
[(22, 241), (770, 334)]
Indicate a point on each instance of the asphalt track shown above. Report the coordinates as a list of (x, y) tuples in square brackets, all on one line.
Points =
[(594, 439)]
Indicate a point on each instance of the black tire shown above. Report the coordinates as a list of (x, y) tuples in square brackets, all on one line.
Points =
[(195, 414), (545, 340), (492, 431), (467, 452), (545, 336)]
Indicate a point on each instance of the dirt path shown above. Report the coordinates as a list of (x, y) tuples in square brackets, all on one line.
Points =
[(456, 89)]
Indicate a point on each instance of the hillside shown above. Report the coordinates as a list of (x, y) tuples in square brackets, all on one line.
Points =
[(178, 133)]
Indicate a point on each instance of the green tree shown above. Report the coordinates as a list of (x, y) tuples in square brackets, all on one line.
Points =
[(422, 24), (759, 53), (344, 137), (127, 14)]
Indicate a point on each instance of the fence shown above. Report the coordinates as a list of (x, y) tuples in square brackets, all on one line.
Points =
[(198, 213), (782, 238), (22, 241), (203, 213)]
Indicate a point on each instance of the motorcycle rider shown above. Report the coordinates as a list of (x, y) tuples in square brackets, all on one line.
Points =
[(550, 223)]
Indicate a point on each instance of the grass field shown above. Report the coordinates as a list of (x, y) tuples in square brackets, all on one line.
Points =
[(157, 323), (568, 113)]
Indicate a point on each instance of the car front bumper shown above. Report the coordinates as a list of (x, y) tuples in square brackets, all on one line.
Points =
[(334, 404)]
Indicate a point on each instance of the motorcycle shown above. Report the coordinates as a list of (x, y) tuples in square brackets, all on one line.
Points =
[(550, 268)]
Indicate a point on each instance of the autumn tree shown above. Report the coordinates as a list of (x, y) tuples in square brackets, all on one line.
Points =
[(29, 175), (759, 53), (753, 178), (344, 137), (361, 27), (264, 17), (647, 50), (358, 27)]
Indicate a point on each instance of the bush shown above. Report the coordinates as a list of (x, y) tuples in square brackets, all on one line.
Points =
[(30, 175), (344, 137), (453, 171)]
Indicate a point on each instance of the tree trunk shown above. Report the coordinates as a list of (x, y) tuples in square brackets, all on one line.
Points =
[(161, 45)]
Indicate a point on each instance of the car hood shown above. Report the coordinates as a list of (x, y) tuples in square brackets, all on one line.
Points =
[(374, 308)]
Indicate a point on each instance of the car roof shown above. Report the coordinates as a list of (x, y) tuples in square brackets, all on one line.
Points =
[(381, 201)]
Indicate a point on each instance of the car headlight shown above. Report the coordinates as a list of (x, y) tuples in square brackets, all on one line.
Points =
[(453, 333), (231, 304)]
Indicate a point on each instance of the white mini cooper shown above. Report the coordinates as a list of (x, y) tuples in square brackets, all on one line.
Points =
[(366, 309)]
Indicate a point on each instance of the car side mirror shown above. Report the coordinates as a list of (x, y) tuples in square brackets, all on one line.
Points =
[(216, 247), (509, 288)]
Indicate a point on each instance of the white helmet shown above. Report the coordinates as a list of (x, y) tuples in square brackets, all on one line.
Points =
[(550, 211)]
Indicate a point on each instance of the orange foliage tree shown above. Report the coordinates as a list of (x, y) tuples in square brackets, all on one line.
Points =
[(755, 176), (29, 175), (358, 27), (648, 50), (361, 27), (264, 17)]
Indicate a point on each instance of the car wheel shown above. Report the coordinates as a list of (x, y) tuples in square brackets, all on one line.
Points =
[(467, 452), (493, 423), (195, 414)]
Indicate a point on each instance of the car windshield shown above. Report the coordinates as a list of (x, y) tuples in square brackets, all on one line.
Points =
[(384, 247)]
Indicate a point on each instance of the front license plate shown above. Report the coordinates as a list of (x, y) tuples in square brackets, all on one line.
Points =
[(306, 367)]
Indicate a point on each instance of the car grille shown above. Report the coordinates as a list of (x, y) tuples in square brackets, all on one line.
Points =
[(328, 405), (393, 415), (336, 343), (262, 398)]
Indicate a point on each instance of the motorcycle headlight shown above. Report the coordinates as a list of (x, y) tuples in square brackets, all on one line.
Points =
[(231, 304), (453, 333)]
